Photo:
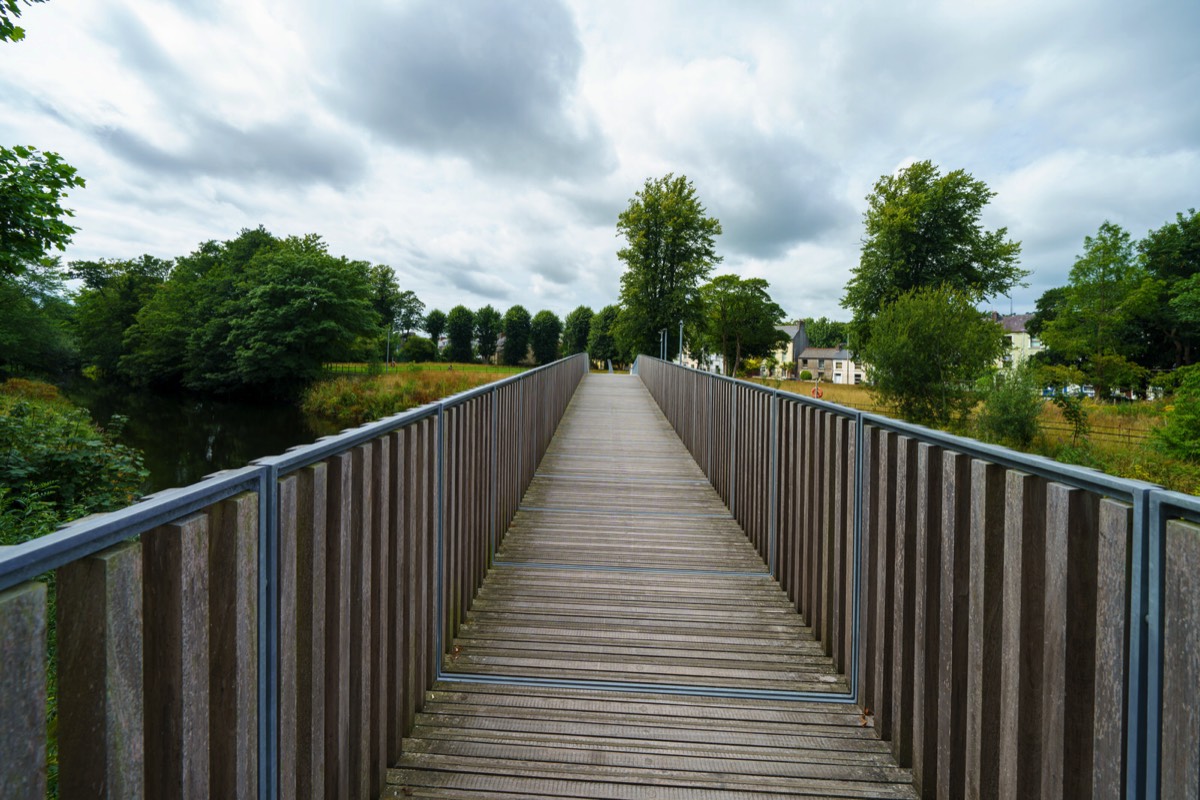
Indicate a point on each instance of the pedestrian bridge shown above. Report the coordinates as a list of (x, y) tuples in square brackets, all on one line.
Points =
[(667, 584)]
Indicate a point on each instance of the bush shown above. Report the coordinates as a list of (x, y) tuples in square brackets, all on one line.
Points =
[(805, 375), (417, 349), (1180, 434), (1012, 404)]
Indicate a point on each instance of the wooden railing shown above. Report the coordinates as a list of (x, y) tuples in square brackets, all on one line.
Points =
[(270, 631), (1017, 627)]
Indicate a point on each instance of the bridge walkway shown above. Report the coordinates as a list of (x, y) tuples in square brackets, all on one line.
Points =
[(629, 643)]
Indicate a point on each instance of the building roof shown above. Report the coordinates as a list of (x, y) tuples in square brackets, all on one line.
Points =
[(1012, 323), (790, 330), (837, 353)]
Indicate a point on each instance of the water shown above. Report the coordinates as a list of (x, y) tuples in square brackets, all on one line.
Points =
[(187, 437)]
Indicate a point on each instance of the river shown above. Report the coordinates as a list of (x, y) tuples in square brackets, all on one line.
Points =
[(187, 437)]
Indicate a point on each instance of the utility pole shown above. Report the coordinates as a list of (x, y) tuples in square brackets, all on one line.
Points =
[(681, 343)]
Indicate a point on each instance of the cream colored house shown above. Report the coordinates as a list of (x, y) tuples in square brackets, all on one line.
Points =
[(1021, 344), (832, 364)]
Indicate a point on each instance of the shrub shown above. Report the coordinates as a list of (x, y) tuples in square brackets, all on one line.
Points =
[(805, 375), (1012, 404), (417, 349), (1180, 434)]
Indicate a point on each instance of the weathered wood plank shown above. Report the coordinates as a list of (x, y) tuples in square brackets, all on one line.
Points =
[(381, 680), (309, 487), (361, 589), (1112, 586), (904, 603), (1181, 661), (233, 639), (101, 750), (175, 609), (338, 588), (23, 624), (952, 640), (926, 618)]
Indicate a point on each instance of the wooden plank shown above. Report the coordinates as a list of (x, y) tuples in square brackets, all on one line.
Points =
[(885, 582), (381, 680), (904, 594), (926, 618), (287, 515), (1112, 586), (1023, 621), (985, 631), (338, 588), (100, 693), (310, 487), (175, 609), (952, 640), (1181, 661), (233, 643), (23, 623), (397, 579), (870, 524), (361, 589)]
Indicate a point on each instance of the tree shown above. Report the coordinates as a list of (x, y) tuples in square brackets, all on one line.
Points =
[(435, 324), (35, 322), (824, 332), (487, 331), (576, 327), (544, 333), (1171, 256), (928, 349), (385, 294), (9, 12), (1012, 406), (923, 230), (108, 304), (740, 319), (516, 336), (410, 312), (669, 251), (1091, 327), (1180, 435), (32, 187), (417, 348), (602, 343), (460, 327)]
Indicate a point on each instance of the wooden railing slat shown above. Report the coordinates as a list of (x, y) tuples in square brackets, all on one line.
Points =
[(926, 618), (1181, 662), (337, 627), (1112, 584), (952, 640), (23, 624)]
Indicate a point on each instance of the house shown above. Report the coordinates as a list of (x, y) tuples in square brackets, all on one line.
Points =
[(831, 364), (785, 355), (1021, 343)]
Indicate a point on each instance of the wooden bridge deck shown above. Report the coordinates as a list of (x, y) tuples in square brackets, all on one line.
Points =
[(624, 607)]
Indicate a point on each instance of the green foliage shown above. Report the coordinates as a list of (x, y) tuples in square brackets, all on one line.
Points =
[(1012, 405), (385, 293), (1180, 434), (923, 230), (928, 349), (487, 331), (576, 328), (35, 322), (739, 319), (669, 251), (435, 326), (54, 450), (544, 333), (417, 349), (33, 185), (805, 375), (107, 306), (1093, 326), (825, 332), (602, 342), (9, 12), (1171, 256), (460, 327), (410, 312), (1074, 413), (516, 336)]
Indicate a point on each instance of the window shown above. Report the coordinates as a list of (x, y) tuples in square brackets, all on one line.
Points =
[(820, 363), (857, 378), (1034, 341), (837, 365)]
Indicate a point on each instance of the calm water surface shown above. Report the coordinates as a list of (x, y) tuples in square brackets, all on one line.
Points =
[(185, 437)]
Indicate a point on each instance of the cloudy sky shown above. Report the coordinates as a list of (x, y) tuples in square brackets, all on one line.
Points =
[(483, 149)]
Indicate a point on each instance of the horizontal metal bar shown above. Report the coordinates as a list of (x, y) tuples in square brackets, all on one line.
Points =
[(92, 534)]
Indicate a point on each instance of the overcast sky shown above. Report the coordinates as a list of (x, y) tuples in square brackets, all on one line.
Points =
[(483, 149)]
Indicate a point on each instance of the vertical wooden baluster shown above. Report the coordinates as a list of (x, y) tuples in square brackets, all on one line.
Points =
[(952, 641), (23, 624), (1181, 662), (361, 627), (904, 573), (381, 683), (1112, 586), (338, 582), (926, 624)]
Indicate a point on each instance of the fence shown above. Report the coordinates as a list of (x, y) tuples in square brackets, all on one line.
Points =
[(1017, 627), (269, 631)]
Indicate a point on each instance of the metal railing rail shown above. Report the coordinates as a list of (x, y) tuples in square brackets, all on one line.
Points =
[(445, 504), (1079, 562)]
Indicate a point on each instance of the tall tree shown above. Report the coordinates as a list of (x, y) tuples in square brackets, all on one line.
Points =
[(740, 319), (113, 294), (35, 322), (669, 251), (410, 312), (33, 185), (928, 351), (923, 230), (487, 331), (576, 327), (385, 294), (824, 332), (602, 341), (435, 325), (1092, 325), (1171, 256), (544, 333), (516, 336), (460, 327)]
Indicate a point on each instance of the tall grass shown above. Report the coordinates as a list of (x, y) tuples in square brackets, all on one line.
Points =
[(355, 399)]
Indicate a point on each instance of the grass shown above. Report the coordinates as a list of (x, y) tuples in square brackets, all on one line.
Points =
[(1118, 441), (361, 397)]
